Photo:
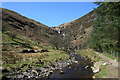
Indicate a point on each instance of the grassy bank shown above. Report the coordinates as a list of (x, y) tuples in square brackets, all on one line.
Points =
[(91, 54), (25, 61)]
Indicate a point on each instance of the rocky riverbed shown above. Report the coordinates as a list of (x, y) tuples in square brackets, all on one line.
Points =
[(76, 62)]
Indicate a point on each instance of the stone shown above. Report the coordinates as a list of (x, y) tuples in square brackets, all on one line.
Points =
[(86, 67), (28, 51), (76, 61), (24, 51), (5, 70), (95, 70), (44, 50), (61, 72), (51, 72), (32, 51), (104, 63)]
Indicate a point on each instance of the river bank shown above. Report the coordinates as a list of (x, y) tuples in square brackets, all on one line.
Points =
[(76, 65), (104, 65)]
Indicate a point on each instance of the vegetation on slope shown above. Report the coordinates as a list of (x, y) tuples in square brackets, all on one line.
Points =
[(76, 34), (21, 31), (105, 36)]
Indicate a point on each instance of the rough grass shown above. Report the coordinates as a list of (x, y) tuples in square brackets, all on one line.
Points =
[(17, 43), (89, 54), (16, 60), (110, 56), (102, 73)]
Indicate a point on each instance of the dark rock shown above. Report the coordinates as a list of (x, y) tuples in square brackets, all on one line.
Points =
[(5, 70), (32, 51), (61, 72), (28, 51), (51, 72), (24, 51), (44, 50)]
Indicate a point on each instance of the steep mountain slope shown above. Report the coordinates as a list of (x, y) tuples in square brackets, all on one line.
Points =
[(21, 32), (78, 31)]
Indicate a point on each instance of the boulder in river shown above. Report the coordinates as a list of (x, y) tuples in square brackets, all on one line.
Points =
[(51, 72), (76, 61), (61, 72), (86, 67)]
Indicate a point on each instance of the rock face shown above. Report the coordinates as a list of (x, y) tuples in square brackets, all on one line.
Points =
[(78, 31)]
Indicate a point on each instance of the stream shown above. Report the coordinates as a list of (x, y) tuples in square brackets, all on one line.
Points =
[(79, 70), (76, 67)]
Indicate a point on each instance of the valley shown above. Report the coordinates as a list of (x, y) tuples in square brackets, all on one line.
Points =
[(32, 50)]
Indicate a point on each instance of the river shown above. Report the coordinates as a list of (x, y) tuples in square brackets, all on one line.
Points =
[(80, 68)]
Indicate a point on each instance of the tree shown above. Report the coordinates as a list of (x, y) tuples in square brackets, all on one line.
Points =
[(104, 37)]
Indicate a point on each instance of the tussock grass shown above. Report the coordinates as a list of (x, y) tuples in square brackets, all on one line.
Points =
[(13, 60)]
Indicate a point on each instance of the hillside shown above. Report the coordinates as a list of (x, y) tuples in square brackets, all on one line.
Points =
[(78, 31), (21, 32), (83, 48)]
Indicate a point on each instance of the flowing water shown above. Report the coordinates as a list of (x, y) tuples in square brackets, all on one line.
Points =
[(79, 70)]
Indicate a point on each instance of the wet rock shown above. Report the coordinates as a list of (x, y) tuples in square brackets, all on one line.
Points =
[(61, 72), (51, 72), (86, 67), (76, 61), (69, 67)]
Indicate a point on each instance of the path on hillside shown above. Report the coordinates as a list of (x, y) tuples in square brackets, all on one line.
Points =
[(112, 68)]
